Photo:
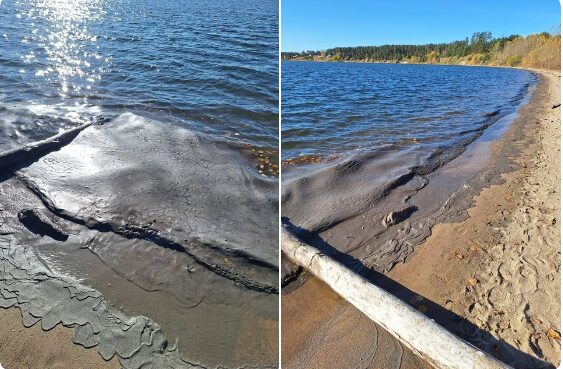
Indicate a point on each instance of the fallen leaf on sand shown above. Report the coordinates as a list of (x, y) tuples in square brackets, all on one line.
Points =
[(458, 255), (476, 248), (552, 333), (472, 281)]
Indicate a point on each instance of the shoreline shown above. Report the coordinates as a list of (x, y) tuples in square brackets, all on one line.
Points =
[(401, 63), (403, 279), (361, 189), (441, 64)]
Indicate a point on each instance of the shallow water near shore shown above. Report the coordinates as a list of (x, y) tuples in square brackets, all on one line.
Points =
[(210, 66), (332, 110), (345, 195)]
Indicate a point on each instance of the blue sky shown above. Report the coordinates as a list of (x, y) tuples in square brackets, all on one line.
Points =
[(321, 24)]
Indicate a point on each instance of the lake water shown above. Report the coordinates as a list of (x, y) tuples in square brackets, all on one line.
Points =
[(210, 65), (334, 109), (183, 89)]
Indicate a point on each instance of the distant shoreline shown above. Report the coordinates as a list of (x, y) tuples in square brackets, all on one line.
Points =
[(400, 63), (540, 51), (392, 63)]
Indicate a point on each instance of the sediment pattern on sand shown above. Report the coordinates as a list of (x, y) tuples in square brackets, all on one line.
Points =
[(49, 299), (161, 222)]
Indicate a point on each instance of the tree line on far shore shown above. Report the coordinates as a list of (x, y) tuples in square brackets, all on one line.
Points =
[(541, 50)]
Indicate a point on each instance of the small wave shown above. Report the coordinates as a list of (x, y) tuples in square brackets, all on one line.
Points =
[(422, 119), (491, 113), (353, 118)]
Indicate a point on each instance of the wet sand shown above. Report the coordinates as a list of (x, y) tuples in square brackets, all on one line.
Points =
[(34, 348), (321, 330), (131, 208), (444, 272)]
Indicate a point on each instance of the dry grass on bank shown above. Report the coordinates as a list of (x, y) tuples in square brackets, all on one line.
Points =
[(541, 51), (535, 51)]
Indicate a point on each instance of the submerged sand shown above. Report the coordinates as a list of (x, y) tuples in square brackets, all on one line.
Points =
[(491, 276)]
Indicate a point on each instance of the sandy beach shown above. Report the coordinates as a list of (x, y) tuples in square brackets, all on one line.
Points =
[(322, 330), (500, 268), (490, 274)]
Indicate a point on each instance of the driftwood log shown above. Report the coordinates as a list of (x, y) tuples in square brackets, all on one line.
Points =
[(422, 335)]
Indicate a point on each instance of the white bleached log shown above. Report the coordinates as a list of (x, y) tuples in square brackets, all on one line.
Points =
[(415, 330)]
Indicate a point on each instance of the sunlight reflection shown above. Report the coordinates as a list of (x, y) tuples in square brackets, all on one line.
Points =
[(61, 29)]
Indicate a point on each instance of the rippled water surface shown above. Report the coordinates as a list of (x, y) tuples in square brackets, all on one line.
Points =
[(335, 108), (212, 65), (150, 68)]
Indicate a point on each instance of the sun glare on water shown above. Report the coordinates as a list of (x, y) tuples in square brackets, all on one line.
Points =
[(61, 30)]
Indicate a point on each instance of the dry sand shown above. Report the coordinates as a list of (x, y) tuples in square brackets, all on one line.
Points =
[(33, 348), (493, 279)]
